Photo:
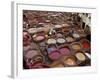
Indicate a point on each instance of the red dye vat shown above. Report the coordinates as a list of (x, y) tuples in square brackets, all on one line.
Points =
[(85, 44)]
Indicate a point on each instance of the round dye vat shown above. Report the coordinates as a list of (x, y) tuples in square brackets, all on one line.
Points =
[(39, 38), (59, 35), (80, 56), (88, 55), (56, 64), (51, 48), (26, 39), (64, 25), (76, 46), (54, 55), (38, 58), (61, 40), (42, 44), (31, 53), (85, 44), (75, 35), (26, 48), (47, 21), (37, 64), (65, 31), (32, 30), (51, 41), (64, 51), (58, 26), (69, 39), (71, 61), (59, 65)]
